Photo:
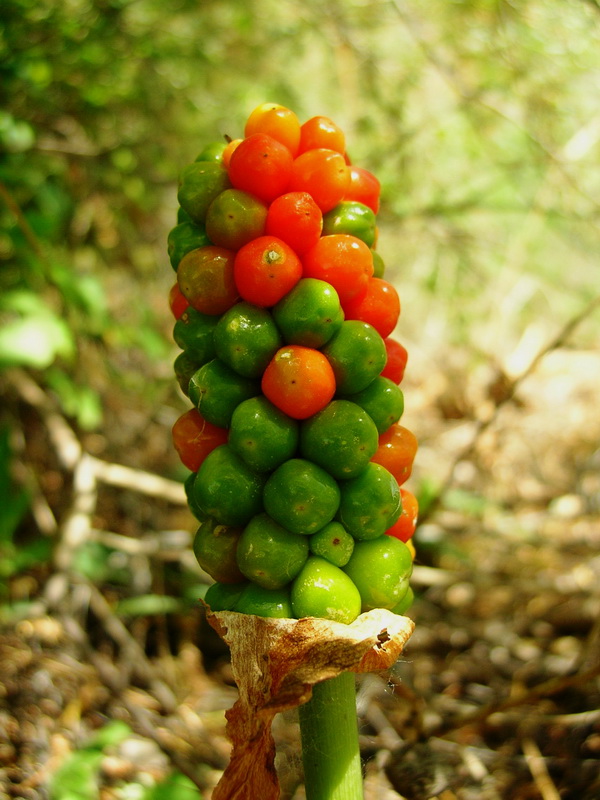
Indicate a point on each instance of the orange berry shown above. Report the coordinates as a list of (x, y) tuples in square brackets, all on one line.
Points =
[(322, 173), (396, 452), (321, 132), (194, 438), (177, 302), (342, 260), (397, 356), (277, 121), (297, 219), (364, 188), (379, 306), (265, 270), (406, 523), (262, 166), (299, 381)]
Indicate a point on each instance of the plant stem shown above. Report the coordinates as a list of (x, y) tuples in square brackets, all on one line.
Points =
[(329, 731)]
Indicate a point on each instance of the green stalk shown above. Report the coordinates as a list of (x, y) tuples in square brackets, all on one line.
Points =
[(329, 731)]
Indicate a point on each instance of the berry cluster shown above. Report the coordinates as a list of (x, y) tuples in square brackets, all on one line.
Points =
[(283, 317)]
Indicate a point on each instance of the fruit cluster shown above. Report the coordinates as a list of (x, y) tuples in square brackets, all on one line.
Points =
[(283, 317)]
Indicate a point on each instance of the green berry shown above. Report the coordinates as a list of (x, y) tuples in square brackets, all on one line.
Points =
[(226, 489), (194, 333), (199, 184), (183, 238), (263, 602), (380, 569), (309, 314), (246, 338), (370, 503), (223, 596), (322, 590), (301, 496), (354, 218), (333, 543), (216, 390), (270, 555), (234, 218), (405, 604), (357, 355), (382, 400), (262, 435), (213, 151), (215, 549), (341, 438)]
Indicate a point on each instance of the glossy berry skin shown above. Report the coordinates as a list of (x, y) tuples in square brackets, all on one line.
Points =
[(226, 489), (213, 151), (322, 132), (333, 543), (351, 217), (273, 603), (205, 277), (296, 219), (224, 596), (184, 237), (322, 173), (341, 438), (265, 270), (299, 381), (383, 401), (397, 357), (234, 218), (357, 355), (215, 548), (246, 338), (216, 390), (364, 188), (406, 524), (262, 435), (380, 569), (194, 333), (342, 260), (310, 314), (301, 496), (322, 590), (177, 302), (270, 555), (379, 306), (396, 452), (185, 366), (370, 503), (277, 121), (405, 604), (194, 438), (261, 166), (199, 184)]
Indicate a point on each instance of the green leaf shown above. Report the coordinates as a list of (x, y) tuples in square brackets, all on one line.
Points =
[(35, 339), (175, 787), (77, 778), (148, 604), (81, 402), (109, 735)]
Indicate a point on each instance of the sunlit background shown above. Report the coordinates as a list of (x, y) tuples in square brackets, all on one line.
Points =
[(481, 119)]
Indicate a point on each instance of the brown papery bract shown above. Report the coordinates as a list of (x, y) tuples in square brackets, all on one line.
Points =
[(276, 662)]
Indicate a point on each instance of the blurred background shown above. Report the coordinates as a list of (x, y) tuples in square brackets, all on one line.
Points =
[(481, 118)]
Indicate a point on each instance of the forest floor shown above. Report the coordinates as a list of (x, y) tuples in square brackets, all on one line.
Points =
[(497, 694)]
